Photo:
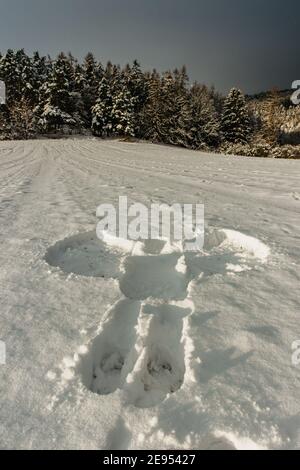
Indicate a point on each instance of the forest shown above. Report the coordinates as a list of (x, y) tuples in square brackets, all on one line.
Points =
[(67, 97)]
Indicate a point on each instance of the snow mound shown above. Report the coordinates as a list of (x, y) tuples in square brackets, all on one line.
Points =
[(85, 255), (139, 247), (250, 245)]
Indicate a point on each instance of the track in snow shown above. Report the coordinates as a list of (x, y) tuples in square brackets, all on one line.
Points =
[(142, 344)]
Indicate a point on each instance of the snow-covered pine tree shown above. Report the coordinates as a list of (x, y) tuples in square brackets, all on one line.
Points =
[(235, 121), (17, 71), (181, 109), (101, 112), (8, 69), (137, 84), (205, 126), (41, 71), (151, 113), (24, 79), (122, 112), (79, 80), (81, 113), (113, 114), (169, 109), (173, 108), (92, 73), (58, 107)]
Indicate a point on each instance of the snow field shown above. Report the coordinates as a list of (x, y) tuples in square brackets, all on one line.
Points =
[(232, 310)]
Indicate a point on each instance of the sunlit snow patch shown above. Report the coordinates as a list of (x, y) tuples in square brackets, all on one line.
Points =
[(250, 245)]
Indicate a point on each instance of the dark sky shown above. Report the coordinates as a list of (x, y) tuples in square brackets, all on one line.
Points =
[(253, 44)]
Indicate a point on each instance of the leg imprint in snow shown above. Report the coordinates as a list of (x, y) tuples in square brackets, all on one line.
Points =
[(102, 367), (160, 356)]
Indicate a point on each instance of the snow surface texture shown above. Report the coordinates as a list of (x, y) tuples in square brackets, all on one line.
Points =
[(123, 346)]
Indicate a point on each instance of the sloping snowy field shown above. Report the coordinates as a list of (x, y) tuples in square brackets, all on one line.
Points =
[(152, 347)]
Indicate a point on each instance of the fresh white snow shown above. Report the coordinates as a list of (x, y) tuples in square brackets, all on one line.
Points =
[(118, 345)]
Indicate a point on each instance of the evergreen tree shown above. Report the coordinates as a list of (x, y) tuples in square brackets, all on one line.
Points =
[(8, 71), (58, 106), (204, 119), (41, 71), (151, 113), (166, 115), (102, 111), (24, 79), (169, 109), (113, 114), (181, 130), (92, 72), (122, 111), (79, 81), (235, 120), (137, 84)]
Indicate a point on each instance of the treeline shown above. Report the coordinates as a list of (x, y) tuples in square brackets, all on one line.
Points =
[(65, 96)]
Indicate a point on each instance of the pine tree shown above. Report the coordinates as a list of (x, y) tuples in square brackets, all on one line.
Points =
[(205, 127), (92, 73), (235, 122), (169, 109), (24, 80), (137, 84), (58, 106), (166, 116), (181, 109), (101, 112), (122, 112), (151, 113), (41, 71), (8, 70), (113, 114)]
